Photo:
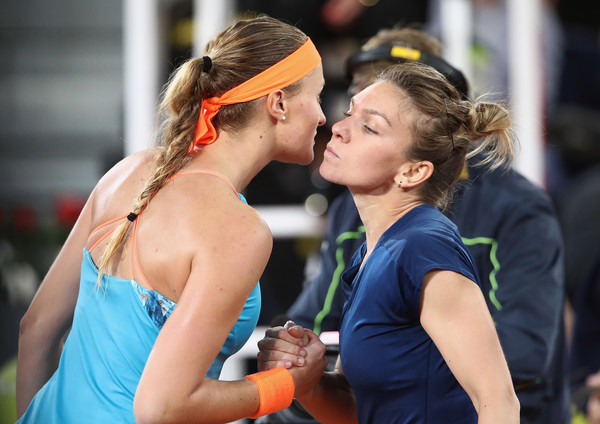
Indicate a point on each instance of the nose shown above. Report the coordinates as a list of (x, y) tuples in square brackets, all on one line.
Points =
[(322, 118), (339, 130)]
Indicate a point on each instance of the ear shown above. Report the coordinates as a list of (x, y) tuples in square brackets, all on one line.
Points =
[(413, 174), (276, 104)]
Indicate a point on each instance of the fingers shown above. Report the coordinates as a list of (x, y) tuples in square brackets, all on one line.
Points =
[(315, 347), (297, 331), (312, 336), (284, 334), (279, 349), (289, 323), (308, 376), (268, 359)]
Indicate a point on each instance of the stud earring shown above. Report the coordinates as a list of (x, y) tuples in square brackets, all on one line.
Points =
[(399, 183), (283, 118)]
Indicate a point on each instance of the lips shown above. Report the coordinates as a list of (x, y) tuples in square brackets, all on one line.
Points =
[(331, 151)]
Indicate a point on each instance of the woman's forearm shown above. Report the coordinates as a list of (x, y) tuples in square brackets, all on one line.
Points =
[(499, 408), (331, 401), (36, 362)]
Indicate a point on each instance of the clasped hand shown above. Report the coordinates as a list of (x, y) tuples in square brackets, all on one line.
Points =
[(297, 349)]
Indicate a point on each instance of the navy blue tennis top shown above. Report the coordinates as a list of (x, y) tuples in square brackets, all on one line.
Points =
[(395, 370)]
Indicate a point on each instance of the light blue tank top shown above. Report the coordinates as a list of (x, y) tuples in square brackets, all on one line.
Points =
[(113, 332)]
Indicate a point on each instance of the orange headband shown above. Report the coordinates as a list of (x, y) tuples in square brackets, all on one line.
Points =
[(285, 72)]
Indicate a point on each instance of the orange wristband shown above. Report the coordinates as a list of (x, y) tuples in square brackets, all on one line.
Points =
[(275, 390)]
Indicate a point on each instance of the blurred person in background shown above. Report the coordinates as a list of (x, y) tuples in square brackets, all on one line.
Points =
[(509, 227), (585, 349), (417, 342), (582, 227), (157, 284)]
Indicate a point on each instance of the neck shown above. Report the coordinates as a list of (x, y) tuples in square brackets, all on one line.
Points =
[(238, 156), (380, 212)]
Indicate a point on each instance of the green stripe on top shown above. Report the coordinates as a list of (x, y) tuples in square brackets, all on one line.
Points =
[(494, 260), (335, 278)]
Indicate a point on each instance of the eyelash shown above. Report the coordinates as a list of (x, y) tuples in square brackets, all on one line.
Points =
[(367, 129)]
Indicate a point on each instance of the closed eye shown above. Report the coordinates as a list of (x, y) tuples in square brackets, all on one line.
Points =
[(367, 128), (370, 130)]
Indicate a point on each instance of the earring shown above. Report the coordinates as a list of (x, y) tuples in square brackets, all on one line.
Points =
[(399, 183), (283, 118)]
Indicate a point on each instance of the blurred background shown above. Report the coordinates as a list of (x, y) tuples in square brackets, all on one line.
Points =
[(80, 81)]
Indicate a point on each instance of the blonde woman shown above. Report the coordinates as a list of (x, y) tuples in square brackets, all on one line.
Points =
[(157, 283)]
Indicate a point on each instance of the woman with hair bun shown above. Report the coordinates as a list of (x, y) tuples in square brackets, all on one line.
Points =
[(157, 284), (417, 342)]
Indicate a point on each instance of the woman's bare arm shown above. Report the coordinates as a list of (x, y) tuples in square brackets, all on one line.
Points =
[(225, 268), (456, 317), (50, 315)]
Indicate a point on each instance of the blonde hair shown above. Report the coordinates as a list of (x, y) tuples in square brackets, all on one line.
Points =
[(238, 53), (446, 130)]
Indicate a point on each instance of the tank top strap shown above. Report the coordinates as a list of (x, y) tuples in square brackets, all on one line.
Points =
[(207, 172), (101, 226), (134, 258)]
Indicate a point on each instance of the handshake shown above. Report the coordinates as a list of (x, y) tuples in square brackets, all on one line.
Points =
[(295, 348)]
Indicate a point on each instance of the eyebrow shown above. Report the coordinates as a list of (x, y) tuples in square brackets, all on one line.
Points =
[(370, 111), (376, 112)]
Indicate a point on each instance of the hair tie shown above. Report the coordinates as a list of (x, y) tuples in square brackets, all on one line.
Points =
[(207, 64), (132, 216)]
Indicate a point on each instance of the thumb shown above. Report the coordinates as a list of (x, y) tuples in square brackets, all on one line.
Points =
[(297, 331)]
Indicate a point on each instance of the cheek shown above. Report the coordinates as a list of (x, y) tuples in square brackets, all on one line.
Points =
[(310, 123), (375, 164), (312, 110)]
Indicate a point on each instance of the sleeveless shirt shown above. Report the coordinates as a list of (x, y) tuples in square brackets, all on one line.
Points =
[(114, 329)]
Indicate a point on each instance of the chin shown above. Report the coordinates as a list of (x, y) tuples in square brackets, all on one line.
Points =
[(302, 158), (328, 174), (295, 160), (307, 161)]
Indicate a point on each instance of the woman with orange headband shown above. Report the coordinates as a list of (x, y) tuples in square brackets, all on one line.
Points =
[(157, 284)]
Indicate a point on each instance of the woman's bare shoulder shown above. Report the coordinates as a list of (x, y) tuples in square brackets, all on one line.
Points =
[(225, 224), (125, 179), (139, 164)]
